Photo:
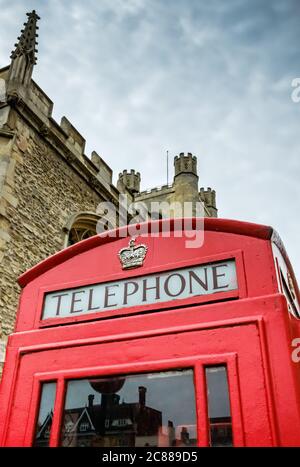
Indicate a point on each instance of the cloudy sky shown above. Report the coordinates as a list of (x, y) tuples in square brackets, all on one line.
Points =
[(140, 77)]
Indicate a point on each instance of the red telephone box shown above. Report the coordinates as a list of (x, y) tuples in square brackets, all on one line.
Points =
[(150, 343)]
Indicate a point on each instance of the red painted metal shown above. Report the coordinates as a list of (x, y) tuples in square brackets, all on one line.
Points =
[(249, 329)]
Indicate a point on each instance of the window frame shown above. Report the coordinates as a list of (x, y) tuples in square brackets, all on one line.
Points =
[(197, 363)]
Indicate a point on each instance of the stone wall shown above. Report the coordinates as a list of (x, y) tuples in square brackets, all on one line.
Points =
[(39, 194)]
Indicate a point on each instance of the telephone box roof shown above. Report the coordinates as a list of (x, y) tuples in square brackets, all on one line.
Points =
[(210, 224)]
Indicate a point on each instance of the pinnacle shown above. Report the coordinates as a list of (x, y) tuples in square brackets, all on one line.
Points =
[(27, 40)]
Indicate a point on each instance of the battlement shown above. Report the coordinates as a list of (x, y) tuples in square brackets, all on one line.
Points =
[(157, 190), (104, 171), (209, 198), (182, 155), (37, 108), (130, 181), (75, 139), (40, 100), (132, 172), (185, 164)]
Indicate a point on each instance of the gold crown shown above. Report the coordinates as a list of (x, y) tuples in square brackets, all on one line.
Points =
[(133, 256)]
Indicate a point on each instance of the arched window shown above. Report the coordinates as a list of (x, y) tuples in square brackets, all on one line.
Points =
[(80, 226)]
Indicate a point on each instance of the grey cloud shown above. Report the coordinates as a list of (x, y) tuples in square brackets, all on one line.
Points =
[(138, 77)]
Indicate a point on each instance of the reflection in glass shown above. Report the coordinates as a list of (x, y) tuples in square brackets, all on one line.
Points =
[(218, 406), (156, 409), (44, 422)]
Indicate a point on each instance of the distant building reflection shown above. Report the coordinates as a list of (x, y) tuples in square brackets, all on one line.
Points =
[(113, 423)]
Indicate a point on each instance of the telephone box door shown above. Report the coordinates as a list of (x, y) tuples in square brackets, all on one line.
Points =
[(190, 386)]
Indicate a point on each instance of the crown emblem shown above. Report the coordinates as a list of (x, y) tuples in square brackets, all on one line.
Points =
[(133, 256)]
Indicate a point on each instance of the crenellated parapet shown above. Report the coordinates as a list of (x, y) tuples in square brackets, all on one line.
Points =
[(185, 164), (157, 190), (36, 108), (75, 141), (131, 181), (105, 173), (208, 197)]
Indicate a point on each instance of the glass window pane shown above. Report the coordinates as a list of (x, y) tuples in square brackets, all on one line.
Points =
[(44, 422), (220, 425), (156, 409)]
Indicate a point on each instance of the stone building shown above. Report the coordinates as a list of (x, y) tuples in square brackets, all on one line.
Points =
[(183, 189), (49, 188)]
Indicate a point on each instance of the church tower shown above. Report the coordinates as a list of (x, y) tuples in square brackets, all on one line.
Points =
[(186, 179)]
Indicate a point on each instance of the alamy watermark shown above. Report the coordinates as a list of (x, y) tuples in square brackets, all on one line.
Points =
[(296, 351), (133, 217), (295, 96)]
